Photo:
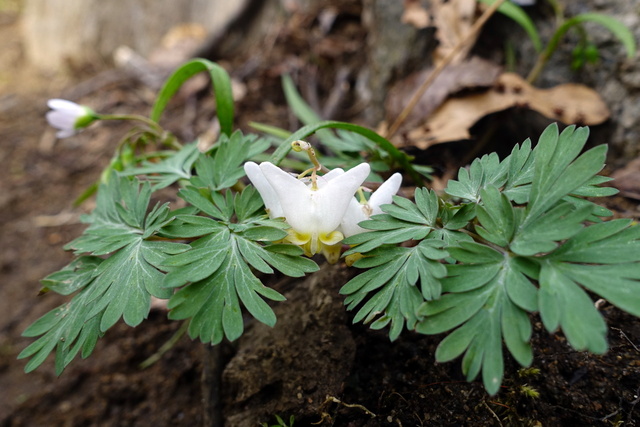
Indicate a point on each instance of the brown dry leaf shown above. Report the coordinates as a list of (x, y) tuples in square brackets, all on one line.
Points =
[(453, 20), (569, 103), (414, 14), (627, 179), (472, 73), (178, 45)]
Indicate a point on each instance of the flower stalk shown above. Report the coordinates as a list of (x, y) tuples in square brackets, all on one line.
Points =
[(299, 146)]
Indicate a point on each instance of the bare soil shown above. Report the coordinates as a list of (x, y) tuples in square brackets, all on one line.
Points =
[(314, 364)]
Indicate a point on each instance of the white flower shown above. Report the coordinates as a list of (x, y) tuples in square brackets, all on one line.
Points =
[(69, 117), (313, 214), (357, 211)]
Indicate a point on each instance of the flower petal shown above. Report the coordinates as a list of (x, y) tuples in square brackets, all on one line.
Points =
[(384, 194), (65, 105), (354, 214), (60, 120), (332, 174), (294, 197), (332, 253), (332, 238), (330, 202), (357, 212), (269, 196), (65, 133)]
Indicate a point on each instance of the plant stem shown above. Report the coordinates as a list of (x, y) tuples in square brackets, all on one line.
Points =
[(308, 148), (155, 129), (545, 55), (165, 347), (147, 121), (211, 385)]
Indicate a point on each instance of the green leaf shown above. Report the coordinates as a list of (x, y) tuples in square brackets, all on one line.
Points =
[(345, 146), (559, 170), (203, 259), (216, 273), (188, 226), (72, 277), (120, 218), (543, 234), (203, 200), (119, 286), (396, 284), (301, 109), (270, 130), (248, 205), (475, 253), (605, 259), (221, 85), (485, 301), (222, 167), (612, 24), (612, 242), (554, 166), (564, 304), (625, 293), (402, 159), (177, 165), (288, 260), (483, 172), (455, 217), (592, 189), (245, 208), (394, 231), (401, 222), (480, 336), (520, 173), (204, 302), (125, 282), (496, 217), (69, 329), (218, 268)]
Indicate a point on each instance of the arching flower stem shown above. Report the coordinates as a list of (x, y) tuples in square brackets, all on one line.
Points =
[(300, 145)]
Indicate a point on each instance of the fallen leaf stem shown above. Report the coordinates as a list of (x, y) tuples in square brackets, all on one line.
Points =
[(428, 81)]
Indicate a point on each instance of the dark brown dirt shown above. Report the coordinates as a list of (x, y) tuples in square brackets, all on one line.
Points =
[(314, 365)]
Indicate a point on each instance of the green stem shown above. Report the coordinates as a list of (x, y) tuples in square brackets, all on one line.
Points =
[(165, 347), (154, 128), (546, 54), (308, 148), (147, 121)]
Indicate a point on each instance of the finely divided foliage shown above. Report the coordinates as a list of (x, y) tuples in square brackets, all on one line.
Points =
[(510, 239), (130, 253), (219, 265), (118, 286), (525, 241)]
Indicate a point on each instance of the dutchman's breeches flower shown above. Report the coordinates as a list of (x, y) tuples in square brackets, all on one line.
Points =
[(69, 117), (313, 211)]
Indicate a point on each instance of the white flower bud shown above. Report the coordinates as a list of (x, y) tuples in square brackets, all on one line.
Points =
[(69, 117)]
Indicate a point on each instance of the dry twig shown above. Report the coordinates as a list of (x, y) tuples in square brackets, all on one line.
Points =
[(475, 29)]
